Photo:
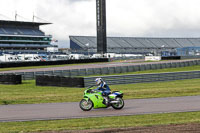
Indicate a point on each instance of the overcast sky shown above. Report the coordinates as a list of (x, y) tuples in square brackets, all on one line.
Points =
[(140, 18)]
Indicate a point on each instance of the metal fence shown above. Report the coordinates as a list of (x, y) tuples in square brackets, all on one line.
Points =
[(190, 57), (44, 63), (106, 70), (128, 58), (144, 78)]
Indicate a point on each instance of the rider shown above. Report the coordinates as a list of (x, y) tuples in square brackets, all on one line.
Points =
[(102, 86)]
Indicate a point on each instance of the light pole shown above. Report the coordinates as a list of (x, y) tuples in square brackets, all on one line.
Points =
[(162, 48), (87, 44), (101, 26)]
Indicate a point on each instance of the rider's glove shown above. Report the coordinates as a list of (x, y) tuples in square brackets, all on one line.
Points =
[(92, 91)]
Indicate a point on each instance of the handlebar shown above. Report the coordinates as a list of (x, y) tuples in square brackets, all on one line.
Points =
[(90, 87), (93, 91)]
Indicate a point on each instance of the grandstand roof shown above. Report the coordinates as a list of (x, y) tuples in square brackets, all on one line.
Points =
[(8, 22), (21, 28), (137, 42)]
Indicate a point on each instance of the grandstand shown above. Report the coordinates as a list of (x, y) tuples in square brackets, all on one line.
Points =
[(19, 36), (132, 45)]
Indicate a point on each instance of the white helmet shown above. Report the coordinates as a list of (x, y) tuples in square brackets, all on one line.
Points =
[(98, 81)]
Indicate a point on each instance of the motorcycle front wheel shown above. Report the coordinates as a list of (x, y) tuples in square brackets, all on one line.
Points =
[(118, 105), (86, 105)]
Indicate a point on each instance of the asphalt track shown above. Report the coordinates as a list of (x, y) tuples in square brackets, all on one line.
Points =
[(96, 65), (56, 111)]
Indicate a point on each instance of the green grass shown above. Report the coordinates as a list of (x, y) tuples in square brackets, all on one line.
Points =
[(160, 89), (180, 69), (101, 123), (29, 93)]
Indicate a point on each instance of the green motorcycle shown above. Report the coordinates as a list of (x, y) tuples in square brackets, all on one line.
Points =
[(94, 99)]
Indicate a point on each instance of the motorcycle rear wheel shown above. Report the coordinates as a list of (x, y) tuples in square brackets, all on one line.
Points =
[(119, 105), (86, 105)]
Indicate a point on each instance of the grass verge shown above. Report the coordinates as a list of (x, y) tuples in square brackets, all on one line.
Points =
[(29, 93), (101, 123)]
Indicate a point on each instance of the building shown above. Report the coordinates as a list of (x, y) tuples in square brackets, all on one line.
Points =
[(132, 45), (188, 51), (21, 37)]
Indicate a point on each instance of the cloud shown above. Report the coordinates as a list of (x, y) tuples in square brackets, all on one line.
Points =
[(69, 18), (141, 17), (24, 8), (73, 1), (178, 18)]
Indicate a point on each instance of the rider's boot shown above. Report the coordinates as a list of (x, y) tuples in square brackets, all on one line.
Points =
[(105, 101)]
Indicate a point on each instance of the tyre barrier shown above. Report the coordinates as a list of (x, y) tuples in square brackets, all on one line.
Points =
[(179, 57), (59, 81), (171, 58), (11, 79)]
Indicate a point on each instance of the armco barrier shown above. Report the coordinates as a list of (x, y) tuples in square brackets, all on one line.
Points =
[(143, 78), (114, 80), (59, 81), (190, 57), (10, 79), (106, 70), (43, 63)]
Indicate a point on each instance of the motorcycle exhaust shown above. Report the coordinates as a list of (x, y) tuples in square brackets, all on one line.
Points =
[(114, 102)]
